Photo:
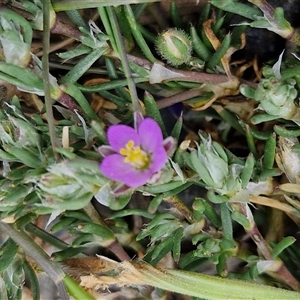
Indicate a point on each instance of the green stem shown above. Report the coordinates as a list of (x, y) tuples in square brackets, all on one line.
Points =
[(50, 267), (45, 64), (38, 255), (122, 54)]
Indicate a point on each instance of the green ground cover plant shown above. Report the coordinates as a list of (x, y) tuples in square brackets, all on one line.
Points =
[(145, 152)]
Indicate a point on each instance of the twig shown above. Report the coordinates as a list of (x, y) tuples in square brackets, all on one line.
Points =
[(180, 97)]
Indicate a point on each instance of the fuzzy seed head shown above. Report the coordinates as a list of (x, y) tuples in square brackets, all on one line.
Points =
[(175, 46)]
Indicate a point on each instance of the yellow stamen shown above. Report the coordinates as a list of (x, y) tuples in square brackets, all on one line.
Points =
[(135, 155)]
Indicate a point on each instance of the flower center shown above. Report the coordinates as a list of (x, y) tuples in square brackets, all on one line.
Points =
[(135, 155)]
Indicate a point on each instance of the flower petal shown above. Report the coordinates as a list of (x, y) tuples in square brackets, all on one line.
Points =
[(114, 167), (150, 135), (119, 135), (137, 178), (158, 159)]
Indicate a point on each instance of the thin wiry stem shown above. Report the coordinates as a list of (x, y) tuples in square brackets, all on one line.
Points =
[(45, 64), (123, 59)]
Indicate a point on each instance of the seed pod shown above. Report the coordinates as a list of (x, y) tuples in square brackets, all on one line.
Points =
[(175, 46)]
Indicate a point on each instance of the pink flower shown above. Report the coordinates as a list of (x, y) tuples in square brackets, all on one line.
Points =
[(135, 155)]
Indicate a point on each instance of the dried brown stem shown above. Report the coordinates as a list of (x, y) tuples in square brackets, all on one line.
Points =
[(180, 97), (118, 250)]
